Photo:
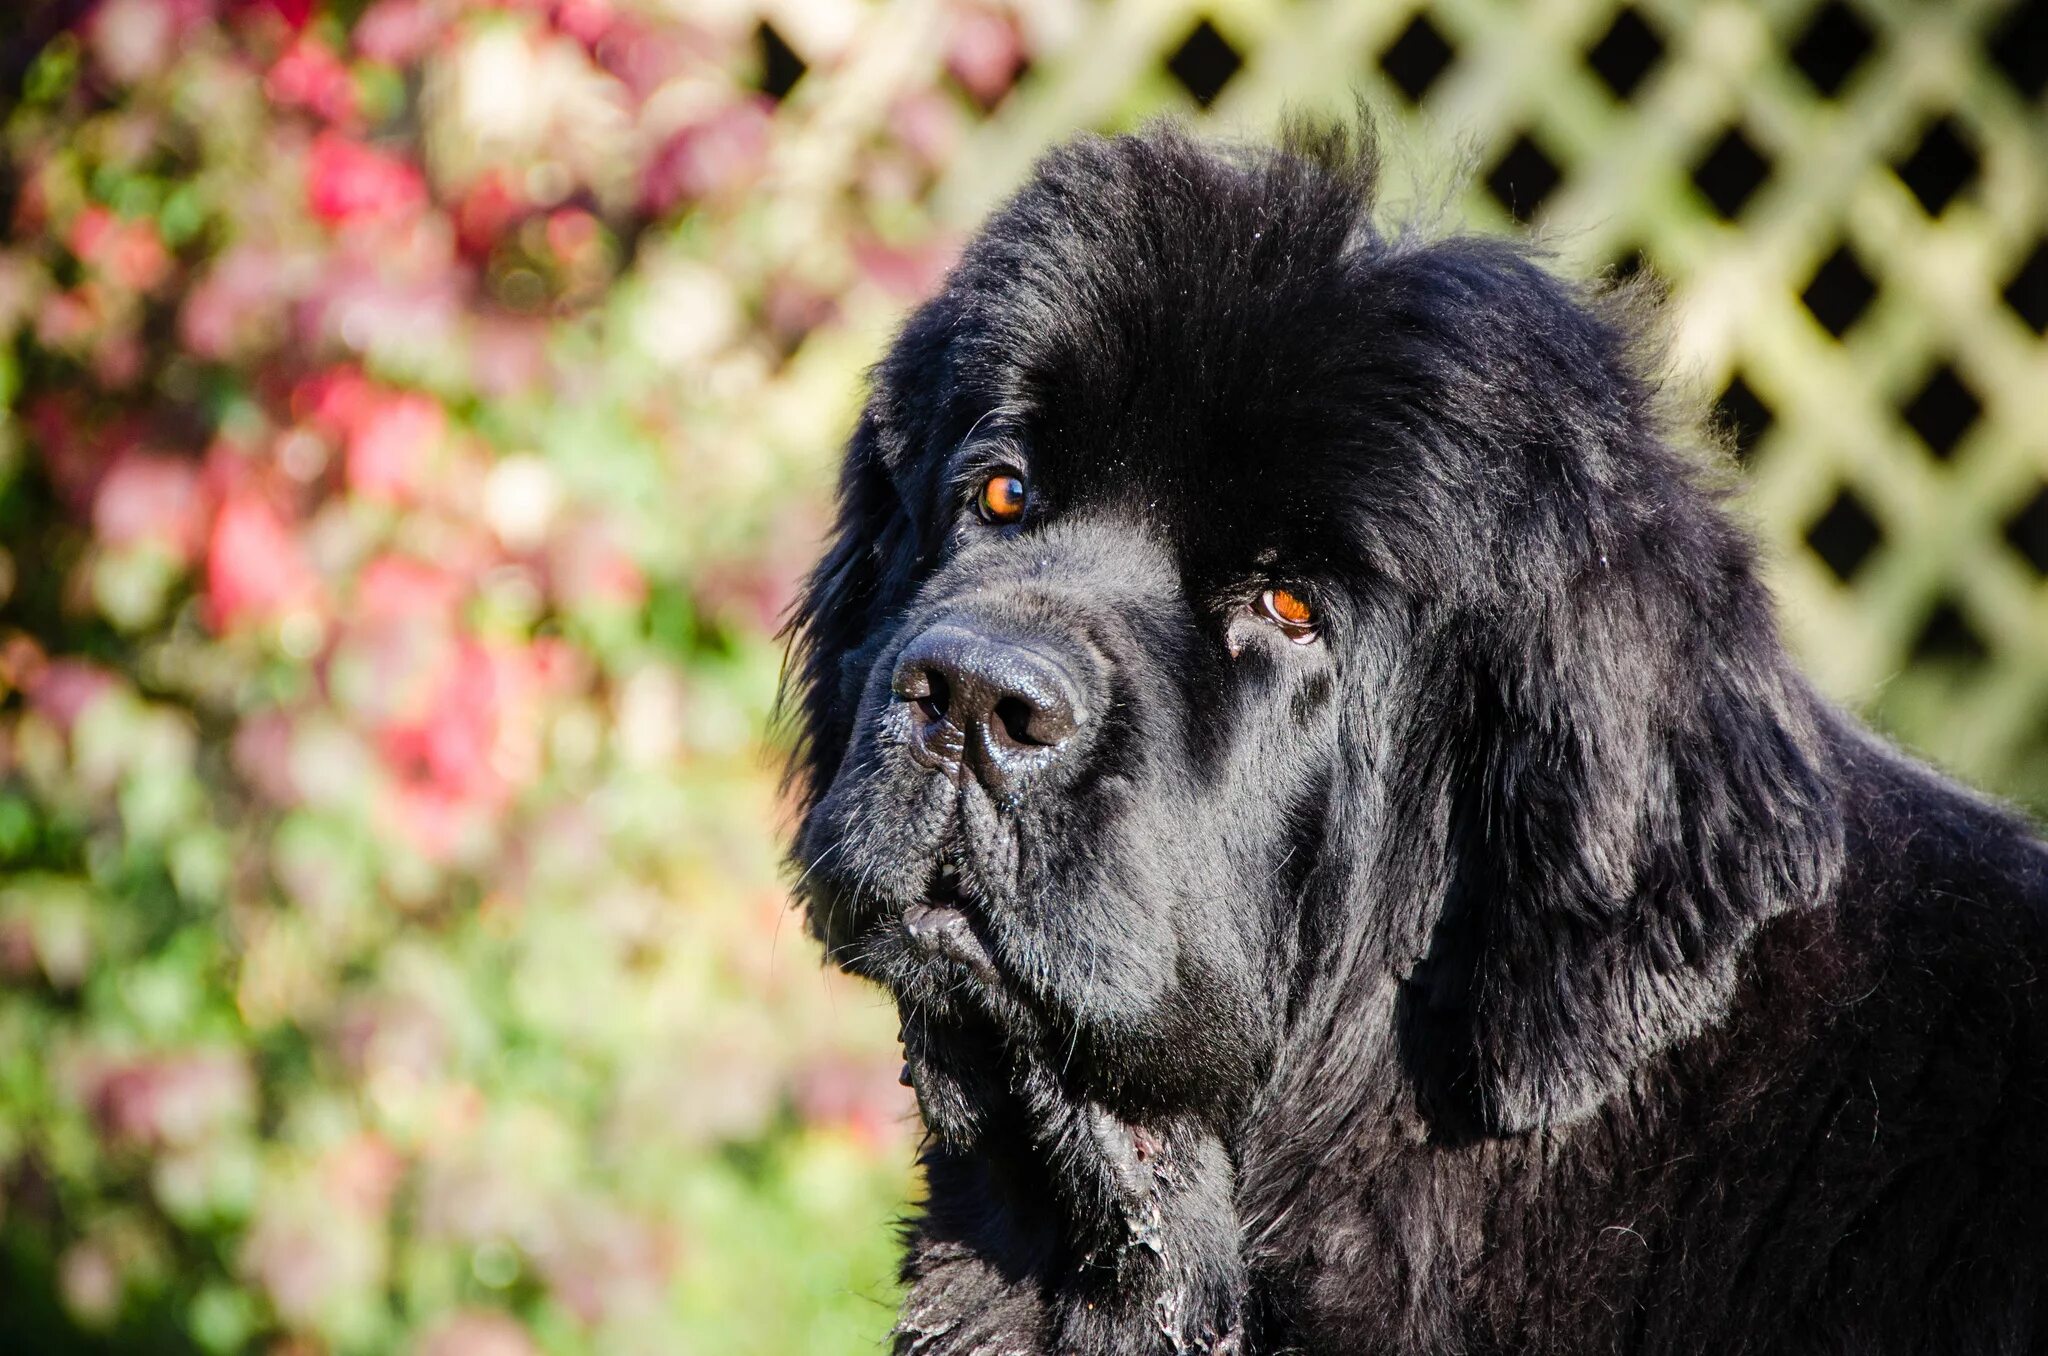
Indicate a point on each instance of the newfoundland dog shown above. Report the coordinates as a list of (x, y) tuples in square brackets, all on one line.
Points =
[(1290, 719)]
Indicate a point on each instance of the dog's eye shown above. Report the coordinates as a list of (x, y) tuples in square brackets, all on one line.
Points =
[(1002, 498), (1291, 613)]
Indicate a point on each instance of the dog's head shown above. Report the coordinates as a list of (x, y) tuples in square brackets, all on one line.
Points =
[(1241, 624)]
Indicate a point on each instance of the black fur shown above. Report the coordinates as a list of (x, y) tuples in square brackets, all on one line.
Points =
[(1531, 963)]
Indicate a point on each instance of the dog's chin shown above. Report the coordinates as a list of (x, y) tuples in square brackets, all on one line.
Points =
[(963, 1017)]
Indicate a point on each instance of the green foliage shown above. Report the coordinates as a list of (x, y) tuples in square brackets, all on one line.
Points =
[(398, 501)]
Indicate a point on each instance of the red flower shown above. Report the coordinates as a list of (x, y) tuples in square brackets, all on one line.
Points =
[(491, 205), (295, 13), (334, 399), (254, 571), (310, 76), (347, 181)]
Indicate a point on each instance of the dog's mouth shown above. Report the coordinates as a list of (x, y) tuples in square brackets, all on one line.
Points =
[(945, 924)]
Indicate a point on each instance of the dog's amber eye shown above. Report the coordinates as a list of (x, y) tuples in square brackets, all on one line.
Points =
[(1002, 498), (1290, 612)]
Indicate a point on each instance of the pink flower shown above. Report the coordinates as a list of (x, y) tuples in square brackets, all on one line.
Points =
[(391, 444), (362, 1173), (148, 497), (713, 156), (398, 32), (254, 571), (395, 588), (572, 236), (173, 1100), (590, 569), (347, 181), (310, 76), (911, 273), (587, 21), (860, 1095), (130, 254), (236, 301), (985, 53), (262, 753), (929, 124), (133, 40), (65, 689), (478, 1332)]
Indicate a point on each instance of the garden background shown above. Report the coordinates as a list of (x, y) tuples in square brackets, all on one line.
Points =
[(414, 416)]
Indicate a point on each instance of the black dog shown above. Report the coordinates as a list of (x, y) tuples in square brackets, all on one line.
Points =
[(1292, 725)]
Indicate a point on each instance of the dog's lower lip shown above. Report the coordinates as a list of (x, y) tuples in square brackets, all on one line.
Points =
[(939, 929)]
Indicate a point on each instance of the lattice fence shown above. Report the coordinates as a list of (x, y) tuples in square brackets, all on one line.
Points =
[(1849, 199)]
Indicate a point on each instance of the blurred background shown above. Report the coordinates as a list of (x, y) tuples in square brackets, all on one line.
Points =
[(415, 415)]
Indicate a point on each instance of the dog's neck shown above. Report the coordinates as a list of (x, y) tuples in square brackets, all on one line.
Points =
[(1132, 1226)]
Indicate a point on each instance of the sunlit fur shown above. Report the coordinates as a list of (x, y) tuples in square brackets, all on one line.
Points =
[(1529, 963)]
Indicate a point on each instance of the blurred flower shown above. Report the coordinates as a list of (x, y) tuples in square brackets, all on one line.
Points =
[(175, 1099), (720, 153), (399, 31), (238, 301), (390, 445), (410, 429), (254, 571), (347, 181), (63, 690), (135, 39), (150, 498), (985, 53), (90, 1280), (477, 1332), (311, 76), (129, 253)]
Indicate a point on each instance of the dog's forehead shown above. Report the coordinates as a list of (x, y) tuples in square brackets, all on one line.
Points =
[(1179, 395)]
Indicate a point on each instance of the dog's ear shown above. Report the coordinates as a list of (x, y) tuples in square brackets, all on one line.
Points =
[(1640, 788), (869, 551)]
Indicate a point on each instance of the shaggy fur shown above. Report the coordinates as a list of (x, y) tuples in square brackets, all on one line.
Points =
[(1529, 962)]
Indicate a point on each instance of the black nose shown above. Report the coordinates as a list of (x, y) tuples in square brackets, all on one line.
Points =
[(1002, 710)]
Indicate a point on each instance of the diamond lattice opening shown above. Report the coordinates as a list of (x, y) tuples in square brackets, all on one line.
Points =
[(2027, 531), (1523, 178), (1947, 637), (781, 67), (1942, 411), (1840, 291), (1626, 53), (2027, 292), (1730, 173), (1845, 535), (1742, 413), (1627, 262), (1942, 165), (1417, 59), (2019, 47), (1833, 45), (1204, 63)]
